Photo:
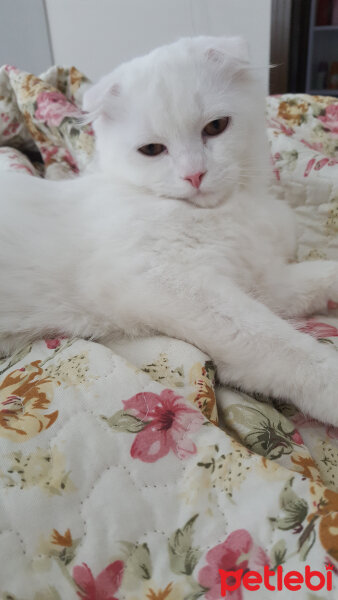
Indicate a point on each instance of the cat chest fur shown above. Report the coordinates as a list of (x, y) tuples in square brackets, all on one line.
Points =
[(237, 240)]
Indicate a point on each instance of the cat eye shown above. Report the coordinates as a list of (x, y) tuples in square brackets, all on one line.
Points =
[(152, 149), (216, 127)]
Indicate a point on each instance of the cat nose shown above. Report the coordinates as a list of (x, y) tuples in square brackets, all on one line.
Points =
[(195, 179)]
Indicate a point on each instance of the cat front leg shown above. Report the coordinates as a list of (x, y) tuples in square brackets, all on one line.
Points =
[(252, 347), (302, 289)]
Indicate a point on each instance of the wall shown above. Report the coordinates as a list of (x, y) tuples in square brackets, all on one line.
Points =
[(24, 40), (97, 35)]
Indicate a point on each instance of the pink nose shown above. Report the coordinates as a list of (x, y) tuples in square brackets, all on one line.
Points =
[(195, 179)]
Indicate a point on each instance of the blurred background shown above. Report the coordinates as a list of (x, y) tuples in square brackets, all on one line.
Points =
[(299, 36)]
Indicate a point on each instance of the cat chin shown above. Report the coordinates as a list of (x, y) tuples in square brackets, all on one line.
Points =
[(205, 200), (209, 202), (201, 200)]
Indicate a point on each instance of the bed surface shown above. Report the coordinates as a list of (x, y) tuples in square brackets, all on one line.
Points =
[(98, 501)]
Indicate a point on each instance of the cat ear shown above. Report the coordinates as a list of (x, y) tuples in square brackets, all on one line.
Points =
[(98, 100), (229, 47)]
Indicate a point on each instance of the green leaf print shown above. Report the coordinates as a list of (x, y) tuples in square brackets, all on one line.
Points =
[(270, 433), (278, 554), (294, 508), (137, 560), (183, 556), (123, 421), (196, 592), (307, 544)]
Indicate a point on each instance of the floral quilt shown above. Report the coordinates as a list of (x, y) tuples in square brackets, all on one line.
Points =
[(126, 472)]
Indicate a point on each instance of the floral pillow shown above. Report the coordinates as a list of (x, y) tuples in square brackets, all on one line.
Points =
[(42, 120), (303, 135)]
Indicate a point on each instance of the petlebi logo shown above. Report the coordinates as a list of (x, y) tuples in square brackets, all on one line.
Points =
[(275, 580)]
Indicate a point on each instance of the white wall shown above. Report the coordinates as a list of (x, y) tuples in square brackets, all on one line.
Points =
[(24, 41), (97, 35)]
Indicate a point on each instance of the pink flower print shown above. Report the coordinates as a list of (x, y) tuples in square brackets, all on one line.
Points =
[(297, 438), (280, 127), (18, 167), (317, 329), (309, 167), (314, 146), (70, 161), (286, 130), (103, 586), (237, 552), (321, 163), (168, 423), (330, 162), (9, 68), (11, 129), (53, 107), (52, 343), (276, 157), (330, 119), (48, 153), (301, 420), (277, 173)]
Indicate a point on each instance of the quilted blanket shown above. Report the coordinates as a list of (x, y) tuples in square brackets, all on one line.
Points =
[(126, 472)]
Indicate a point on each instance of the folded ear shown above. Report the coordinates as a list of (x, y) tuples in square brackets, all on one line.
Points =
[(98, 99), (236, 47), (221, 48)]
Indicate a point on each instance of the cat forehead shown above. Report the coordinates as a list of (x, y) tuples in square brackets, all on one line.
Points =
[(177, 100), (173, 108), (178, 77), (201, 47), (193, 66), (204, 52)]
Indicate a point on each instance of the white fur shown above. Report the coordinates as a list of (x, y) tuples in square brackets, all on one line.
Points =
[(131, 247)]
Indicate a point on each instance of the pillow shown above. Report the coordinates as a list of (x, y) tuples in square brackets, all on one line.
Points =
[(303, 136)]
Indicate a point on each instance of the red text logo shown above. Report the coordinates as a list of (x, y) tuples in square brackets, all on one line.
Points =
[(275, 580)]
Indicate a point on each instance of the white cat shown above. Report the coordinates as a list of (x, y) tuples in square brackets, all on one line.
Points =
[(173, 230)]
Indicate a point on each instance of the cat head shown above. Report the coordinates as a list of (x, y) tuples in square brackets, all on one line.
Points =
[(185, 121)]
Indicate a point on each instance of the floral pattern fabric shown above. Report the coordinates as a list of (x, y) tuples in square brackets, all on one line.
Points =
[(303, 135), (121, 476), (39, 118)]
